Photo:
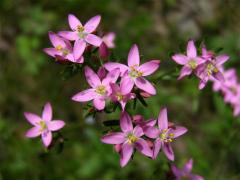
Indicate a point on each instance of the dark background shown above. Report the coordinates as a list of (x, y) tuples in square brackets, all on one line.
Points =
[(29, 78)]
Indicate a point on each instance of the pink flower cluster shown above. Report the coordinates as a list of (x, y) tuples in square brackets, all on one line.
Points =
[(105, 87), (205, 66), (144, 137), (82, 36), (230, 89)]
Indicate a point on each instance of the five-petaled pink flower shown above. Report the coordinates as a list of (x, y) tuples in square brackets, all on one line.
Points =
[(134, 73), (100, 89), (164, 135), (121, 94), (62, 49), (185, 172), (129, 139), (190, 61), (82, 35), (43, 125)]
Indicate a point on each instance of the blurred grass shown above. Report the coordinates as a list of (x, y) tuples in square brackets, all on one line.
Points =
[(29, 78)]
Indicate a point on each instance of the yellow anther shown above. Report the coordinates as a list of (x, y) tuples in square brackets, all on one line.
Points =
[(100, 90), (43, 125), (80, 28), (131, 138), (134, 73), (164, 136), (119, 96), (211, 68), (192, 64), (58, 47)]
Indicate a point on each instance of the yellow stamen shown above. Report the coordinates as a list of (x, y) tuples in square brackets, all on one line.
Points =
[(134, 73), (211, 68), (131, 138), (43, 125), (101, 90), (164, 136), (58, 47), (80, 28), (192, 64), (119, 96)]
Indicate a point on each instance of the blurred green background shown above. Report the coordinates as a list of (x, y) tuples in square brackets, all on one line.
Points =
[(29, 78)]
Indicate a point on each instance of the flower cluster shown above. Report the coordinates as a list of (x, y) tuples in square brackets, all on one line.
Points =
[(82, 36), (205, 66), (120, 83), (141, 136), (106, 87), (230, 89)]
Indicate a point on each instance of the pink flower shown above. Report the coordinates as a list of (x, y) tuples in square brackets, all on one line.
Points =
[(211, 68), (62, 49), (164, 135), (82, 35), (185, 172), (43, 125), (100, 89), (134, 73), (121, 94), (129, 138), (108, 39), (190, 61)]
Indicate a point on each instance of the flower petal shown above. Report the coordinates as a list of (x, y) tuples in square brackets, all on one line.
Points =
[(167, 149), (33, 132), (142, 146), (83, 96), (109, 39), (113, 138), (56, 40), (221, 59), (133, 56), (99, 103), (178, 131), (138, 131), (78, 48), (188, 166), (74, 22), (126, 153), (177, 172), (112, 65), (185, 71), (126, 85), (51, 51), (56, 125), (93, 40), (151, 132), (126, 122), (47, 112), (72, 36), (191, 49), (47, 138), (195, 177), (32, 118), (156, 147), (219, 76), (163, 119), (111, 77), (145, 85), (180, 59), (91, 77), (92, 24), (149, 67)]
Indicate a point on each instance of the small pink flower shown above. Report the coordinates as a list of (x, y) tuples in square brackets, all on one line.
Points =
[(82, 35), (164, 135), (211, 68), (43, 125), (129, 139), (185, 172), (121, 94), (100, 89), (107, 42), (134, 73), (190, 61), (62, 49)]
